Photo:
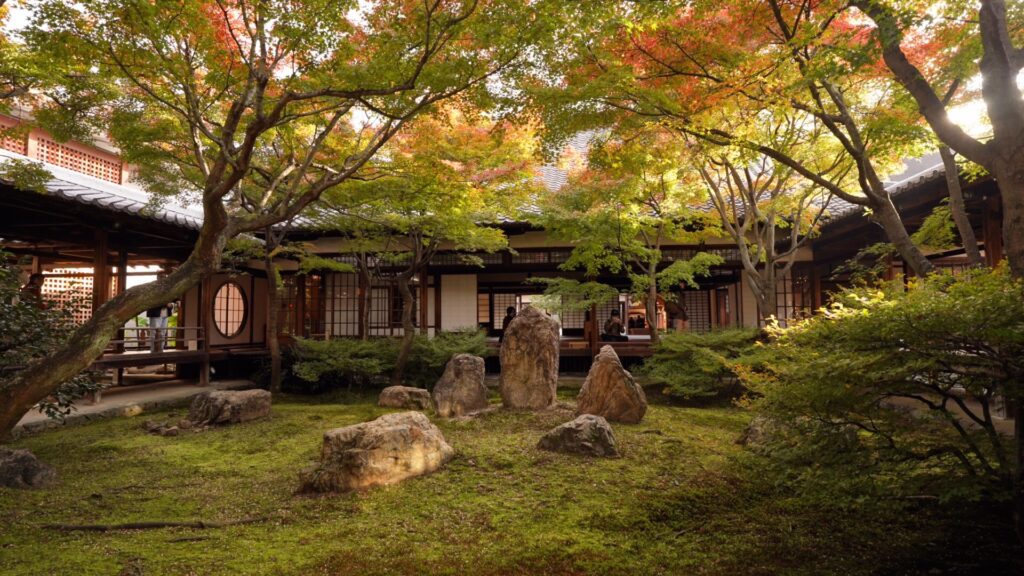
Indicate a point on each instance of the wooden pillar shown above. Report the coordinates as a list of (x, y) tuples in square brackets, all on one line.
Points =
[(122, 285), (100, 271), (423, 302), (437, 303), (593, 330), (300, 305), (206, 323)]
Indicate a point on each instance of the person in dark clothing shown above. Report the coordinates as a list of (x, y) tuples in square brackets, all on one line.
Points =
[(158, 316), (613, 329), (510, 315)]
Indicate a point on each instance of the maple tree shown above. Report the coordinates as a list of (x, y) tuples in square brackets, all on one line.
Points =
[(253, 109), (620, 210), (687, 68), (445, 182), (915, 47)]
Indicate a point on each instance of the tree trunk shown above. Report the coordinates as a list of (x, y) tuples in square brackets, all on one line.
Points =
[(958, 209), (887, 215), (1010, 178), (768, 299), (41, 378), (273, 315), (408, 331), (652, 303)]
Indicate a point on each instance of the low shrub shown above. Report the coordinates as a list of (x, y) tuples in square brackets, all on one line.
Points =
[(916, 373), (430, 355), (321, 365), (698, 366)]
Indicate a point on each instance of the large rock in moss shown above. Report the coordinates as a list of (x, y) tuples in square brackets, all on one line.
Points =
[(529, 361), (229, 407), (461, 389), (383, 451), (588, 435), (610, 391), (404, 397), (21, 469)]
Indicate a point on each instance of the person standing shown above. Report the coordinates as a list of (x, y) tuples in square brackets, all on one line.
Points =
[(158, 316), (510, 315)]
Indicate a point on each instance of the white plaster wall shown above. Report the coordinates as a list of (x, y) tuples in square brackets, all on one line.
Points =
[(458, 301)]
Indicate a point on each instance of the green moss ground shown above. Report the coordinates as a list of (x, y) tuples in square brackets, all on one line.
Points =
[(684, 499)]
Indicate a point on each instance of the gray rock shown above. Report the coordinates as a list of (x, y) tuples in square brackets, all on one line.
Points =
[(529, 361), (461, 389), (404, 397), (21, 469), (383, 451), (588, 435), (610, 391), (229, 407)]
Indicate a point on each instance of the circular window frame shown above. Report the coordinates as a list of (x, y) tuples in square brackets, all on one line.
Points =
[(245, 309)]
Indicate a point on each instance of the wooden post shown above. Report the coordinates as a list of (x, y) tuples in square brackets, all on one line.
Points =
[(100, 271), (205, 322), (423, 303), (593, 329), (437, 303), (122, 285)]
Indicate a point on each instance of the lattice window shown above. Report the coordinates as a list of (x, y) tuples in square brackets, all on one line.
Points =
[(483, 309), (341, 305), (12, 142), (70, 288), (531, 258), (229, 309), (793, 298), (698, 309), (572, 319), (76, 160)]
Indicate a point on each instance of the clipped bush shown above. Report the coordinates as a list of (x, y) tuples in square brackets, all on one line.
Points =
[(321, 365), (698, 366), (430, 355)]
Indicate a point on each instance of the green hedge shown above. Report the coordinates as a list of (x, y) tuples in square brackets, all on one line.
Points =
[(697, 366)]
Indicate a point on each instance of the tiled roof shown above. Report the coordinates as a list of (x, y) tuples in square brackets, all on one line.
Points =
[(916, 171), (91, 191)]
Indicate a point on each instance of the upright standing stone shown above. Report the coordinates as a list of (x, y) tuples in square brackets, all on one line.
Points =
[(610, 390), (529, 361), (461, 389)]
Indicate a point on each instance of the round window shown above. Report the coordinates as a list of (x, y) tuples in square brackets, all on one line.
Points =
[(229, 309)]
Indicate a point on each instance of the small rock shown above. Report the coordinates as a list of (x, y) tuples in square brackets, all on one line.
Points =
[(152, 426), (131, 411), (588, 435), (21, 469), (185, 424), (461, 389), (169, 431), (229, 406), (404, 397)]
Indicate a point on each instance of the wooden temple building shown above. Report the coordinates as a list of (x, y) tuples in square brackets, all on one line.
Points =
[(91, 232)]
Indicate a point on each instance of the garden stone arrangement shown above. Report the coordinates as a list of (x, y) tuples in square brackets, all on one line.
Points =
[(229, 407), (529, 361), (611, 391), (405, 397), (461, 390), (383, 451), (587, 435)]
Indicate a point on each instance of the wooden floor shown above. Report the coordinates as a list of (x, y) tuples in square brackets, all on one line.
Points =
[(134, 358)]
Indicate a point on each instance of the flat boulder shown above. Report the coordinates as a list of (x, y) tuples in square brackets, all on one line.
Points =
[(21, 469), (611, 391), (229, 407), (404, 397), (461, 389), (383, 451), (588, 435), (529, 361)]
